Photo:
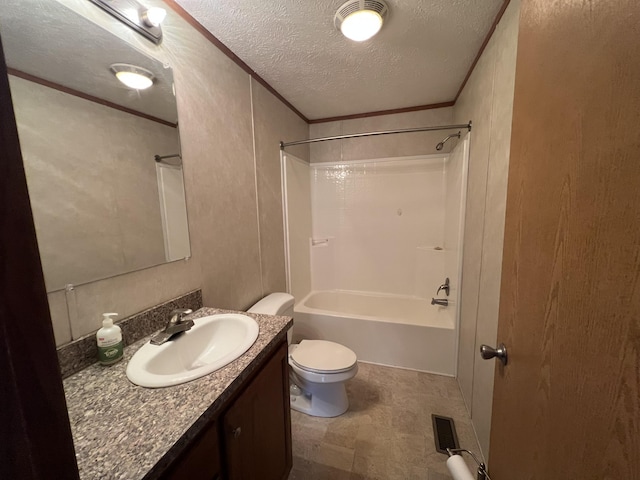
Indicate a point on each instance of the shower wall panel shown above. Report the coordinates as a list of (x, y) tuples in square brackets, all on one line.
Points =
[(378, 225)]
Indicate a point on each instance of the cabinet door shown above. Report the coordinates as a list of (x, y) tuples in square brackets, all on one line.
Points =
[(201, 461), (257, 427)]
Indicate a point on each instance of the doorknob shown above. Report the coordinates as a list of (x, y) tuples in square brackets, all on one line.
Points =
[(488, 352)]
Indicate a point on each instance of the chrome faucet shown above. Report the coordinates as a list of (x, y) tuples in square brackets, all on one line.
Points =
[(443, 302), (175, 325), (444, 286)]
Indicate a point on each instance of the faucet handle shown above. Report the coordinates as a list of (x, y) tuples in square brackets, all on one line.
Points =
[(176, 315), (445, 286)]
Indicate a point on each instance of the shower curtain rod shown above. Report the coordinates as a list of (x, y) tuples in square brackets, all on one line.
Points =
[(283, 145)]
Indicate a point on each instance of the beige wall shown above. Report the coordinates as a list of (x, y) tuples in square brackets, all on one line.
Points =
[(95, 205), (487, 99), (383, 146), (273, 122), (231, 185)]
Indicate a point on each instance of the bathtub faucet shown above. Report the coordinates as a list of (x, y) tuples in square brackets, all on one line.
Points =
[(443, 302), (445, 286)]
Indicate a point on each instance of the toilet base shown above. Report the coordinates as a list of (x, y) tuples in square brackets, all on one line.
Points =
[(319, 399)]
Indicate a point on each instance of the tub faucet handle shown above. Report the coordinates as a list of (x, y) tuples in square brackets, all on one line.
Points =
[(445, 286)]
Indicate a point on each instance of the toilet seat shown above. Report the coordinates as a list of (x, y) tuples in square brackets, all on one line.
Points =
[(322, 357)]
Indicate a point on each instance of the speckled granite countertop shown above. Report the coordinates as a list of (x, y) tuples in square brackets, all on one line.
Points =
[(123, 431)]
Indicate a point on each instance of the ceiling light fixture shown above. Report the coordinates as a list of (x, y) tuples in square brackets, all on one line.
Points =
[(359, 20), (145, 21), (134, 77)]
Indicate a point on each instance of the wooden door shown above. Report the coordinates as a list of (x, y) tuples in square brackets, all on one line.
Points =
[(567, 406)]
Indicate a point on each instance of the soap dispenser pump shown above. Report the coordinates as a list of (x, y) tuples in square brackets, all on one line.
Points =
[(109, 338)]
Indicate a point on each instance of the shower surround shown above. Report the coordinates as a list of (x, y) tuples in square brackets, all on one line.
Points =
[(383, 235)]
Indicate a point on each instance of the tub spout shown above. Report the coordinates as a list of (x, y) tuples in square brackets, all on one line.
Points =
[(443, 302)]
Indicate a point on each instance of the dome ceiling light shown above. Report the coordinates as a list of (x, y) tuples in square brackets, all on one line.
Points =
[(134, 77), (359, 20)]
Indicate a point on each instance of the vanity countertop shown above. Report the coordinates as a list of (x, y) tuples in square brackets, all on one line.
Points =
[(123, 431)]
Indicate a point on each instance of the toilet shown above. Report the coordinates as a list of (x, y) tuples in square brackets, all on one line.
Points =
[(318, 369)]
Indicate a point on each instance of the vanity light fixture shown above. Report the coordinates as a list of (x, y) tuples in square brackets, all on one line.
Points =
[(153, 17), (134, 77), (145, 21), (359, 20)]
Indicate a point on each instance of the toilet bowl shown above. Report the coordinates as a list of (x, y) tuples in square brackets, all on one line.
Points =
[(319, 369)]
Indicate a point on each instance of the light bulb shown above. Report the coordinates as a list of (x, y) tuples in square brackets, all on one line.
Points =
[(361, 25), (134, 80), (154, 16), (134, 77)]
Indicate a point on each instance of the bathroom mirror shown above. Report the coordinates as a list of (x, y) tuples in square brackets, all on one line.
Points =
[(102, 160)]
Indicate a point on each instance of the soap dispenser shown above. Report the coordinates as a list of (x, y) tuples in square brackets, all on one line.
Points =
[(109, 339)]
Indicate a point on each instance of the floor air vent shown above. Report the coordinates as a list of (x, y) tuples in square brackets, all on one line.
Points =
[(444, 432)]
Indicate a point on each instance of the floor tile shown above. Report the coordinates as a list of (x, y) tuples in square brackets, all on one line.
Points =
[(387, 432)]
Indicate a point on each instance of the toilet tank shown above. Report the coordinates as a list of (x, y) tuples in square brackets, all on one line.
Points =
[(274, 304)]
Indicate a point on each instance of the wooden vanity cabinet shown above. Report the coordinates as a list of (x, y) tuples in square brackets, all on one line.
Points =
[(251, 438), (257, 426), (201, 460)]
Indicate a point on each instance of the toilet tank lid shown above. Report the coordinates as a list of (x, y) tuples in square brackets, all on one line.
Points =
[(273, 304)]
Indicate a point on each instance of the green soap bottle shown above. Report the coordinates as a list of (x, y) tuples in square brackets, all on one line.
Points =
[(109, 338)]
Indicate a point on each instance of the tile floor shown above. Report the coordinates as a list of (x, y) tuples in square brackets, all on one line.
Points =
[(386, 434)]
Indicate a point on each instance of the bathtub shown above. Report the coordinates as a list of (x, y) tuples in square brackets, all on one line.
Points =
[(394, 330)]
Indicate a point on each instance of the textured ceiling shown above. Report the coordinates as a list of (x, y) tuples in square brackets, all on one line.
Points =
[(46, 39), (420, 56)]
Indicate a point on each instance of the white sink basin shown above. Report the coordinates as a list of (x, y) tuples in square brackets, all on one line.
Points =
[(212, 343)]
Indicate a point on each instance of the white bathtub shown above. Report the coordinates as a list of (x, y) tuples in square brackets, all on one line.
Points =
[(394, 330)]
